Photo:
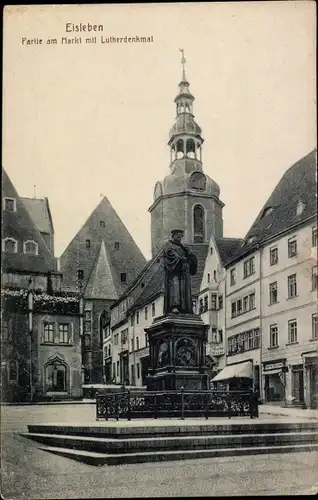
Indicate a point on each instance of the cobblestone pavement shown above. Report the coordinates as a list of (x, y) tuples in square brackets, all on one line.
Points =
[(28, 472)]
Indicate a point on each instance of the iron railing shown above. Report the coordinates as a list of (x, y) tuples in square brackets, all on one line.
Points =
[(178, 404)]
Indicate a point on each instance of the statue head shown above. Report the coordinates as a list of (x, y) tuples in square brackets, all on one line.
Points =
[(177, 234)]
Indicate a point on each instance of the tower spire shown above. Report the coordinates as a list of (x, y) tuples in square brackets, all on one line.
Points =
[(183, 61)]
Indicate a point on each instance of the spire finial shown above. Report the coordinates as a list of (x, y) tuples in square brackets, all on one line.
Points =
[(183, 61)]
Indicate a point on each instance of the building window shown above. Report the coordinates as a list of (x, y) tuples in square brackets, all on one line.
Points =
[(220, 301), (239, 306), (49, 332), (273, 256), (102, 223), (198, 224), (132, 318), (245, 304), (138, 370), (244, 341), (88, 243), (220, 335), (273, 336), (153, 309), (116, 336), (201, 307), (117, 368), (314, 278), (55, 377), (10, 245), (249, 267), (123, 277), (292, 331), (116, 245), (314, 237), (209, 277), (10, 204), (315, 326), (146, 339), (124, 336), (211, 250), (30, 247), (252, 301), (64, 333), (146, 313), (13, 371), (273, 293), (206, 302), (232, 277), (137, 317), (292, 247), (114, 370), (4, 330), (292, 286), (132, 345), (137, 343), (80, 274), (233, 308)]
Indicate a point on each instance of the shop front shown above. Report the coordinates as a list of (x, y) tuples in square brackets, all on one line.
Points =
[(310, 362), (274, 373), (234, 377)]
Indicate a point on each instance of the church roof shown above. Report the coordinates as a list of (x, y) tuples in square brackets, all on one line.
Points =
[(101, 284), (20, 226), (40, 212), (120, 258), (293, 201)]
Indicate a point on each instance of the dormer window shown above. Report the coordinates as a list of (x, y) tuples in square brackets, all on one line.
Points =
[(80, 274), (300, 208), (116, 245), (267, 211), (30, 247), (9, 245), (88, 243), (10, 204), (250, 240), (123, 277), (102, 223)]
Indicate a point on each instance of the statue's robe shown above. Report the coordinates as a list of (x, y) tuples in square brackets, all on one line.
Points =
[(180, 263)]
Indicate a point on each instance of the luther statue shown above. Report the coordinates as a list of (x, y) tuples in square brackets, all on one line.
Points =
[(179, 264)]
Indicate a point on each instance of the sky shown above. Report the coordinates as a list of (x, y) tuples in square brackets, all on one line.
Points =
[(82, 121)]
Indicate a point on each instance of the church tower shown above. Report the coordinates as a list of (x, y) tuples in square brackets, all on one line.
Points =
[(187, 198)]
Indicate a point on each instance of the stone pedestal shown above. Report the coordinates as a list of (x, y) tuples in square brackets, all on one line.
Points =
[(177, 353)]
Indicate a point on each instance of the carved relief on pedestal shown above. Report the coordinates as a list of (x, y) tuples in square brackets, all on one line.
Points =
[(162, 358), (185, 353)]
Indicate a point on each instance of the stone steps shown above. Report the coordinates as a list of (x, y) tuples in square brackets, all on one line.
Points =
[(133, 442), (99, 459), (137, 444)]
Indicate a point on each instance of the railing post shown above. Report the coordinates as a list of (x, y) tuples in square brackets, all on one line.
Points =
[(155, 406), (182, 403), (128, 404), (117, 406)]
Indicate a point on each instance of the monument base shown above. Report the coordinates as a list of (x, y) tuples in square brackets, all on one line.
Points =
[(177, 353)]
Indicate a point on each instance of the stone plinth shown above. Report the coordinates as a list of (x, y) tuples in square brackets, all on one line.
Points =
[(177, 353)]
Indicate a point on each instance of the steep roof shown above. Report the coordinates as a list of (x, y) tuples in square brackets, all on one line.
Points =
[(227, 247), (122, 253), (154, 279), (292, 202), (20, 226), (101, 283), (39, 210)]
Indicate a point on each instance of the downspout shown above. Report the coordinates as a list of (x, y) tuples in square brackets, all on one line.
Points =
[(260, 381), (30, 328)]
